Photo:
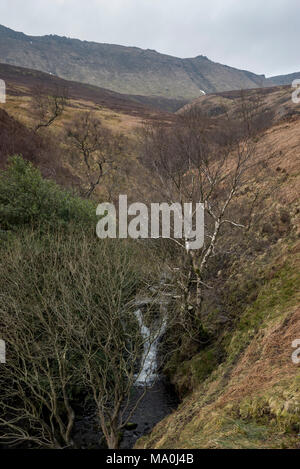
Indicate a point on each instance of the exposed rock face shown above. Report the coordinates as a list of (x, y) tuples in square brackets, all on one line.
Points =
[(123, 69)]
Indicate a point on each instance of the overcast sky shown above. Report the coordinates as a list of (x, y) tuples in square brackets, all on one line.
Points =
[(258, 35)]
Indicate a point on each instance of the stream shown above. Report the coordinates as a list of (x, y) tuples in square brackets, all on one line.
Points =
[(160, 399), (159, 402)]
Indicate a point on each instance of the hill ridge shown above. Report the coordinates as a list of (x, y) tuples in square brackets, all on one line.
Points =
[(127, 70)]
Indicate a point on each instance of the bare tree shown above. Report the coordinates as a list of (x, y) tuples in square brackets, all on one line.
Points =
[(35, 403), (68, 320), (97, 146), (48, 105), (201, 160), (109, 339), (253, 114)]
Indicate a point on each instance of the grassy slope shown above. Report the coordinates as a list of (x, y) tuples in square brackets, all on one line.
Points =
[(28, 80), (127, 70), (276, 99), (116, 111), (250, 398)]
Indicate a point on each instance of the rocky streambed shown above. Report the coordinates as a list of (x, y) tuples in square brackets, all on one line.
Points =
[(159, 396)]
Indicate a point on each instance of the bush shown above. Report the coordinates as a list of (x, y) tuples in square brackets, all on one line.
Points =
[(65, 302), (28, 199)]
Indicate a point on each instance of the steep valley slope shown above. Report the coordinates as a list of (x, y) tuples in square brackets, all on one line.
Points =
[(242, 390)]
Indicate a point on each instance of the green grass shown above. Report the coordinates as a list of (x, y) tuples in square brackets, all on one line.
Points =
[(269, 416), (274, 298)]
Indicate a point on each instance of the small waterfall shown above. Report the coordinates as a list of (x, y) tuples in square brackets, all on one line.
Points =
[(148, 373)]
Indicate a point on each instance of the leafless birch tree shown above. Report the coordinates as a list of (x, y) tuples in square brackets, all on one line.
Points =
[(201, 160)]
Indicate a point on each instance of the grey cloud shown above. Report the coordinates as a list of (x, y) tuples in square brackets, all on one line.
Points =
[(261, 36)]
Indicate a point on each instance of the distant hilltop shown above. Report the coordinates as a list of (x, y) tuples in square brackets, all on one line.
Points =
[(129, 70)]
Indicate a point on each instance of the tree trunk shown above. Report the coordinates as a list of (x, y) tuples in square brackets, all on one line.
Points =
[(113, 440)]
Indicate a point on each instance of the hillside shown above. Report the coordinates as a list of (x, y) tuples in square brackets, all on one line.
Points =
[(50, 150), (285, 79), (22, 81), (275, 103), (128, 70), (242, 390)]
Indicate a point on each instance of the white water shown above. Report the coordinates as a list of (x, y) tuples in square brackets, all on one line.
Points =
[(148, 373)]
